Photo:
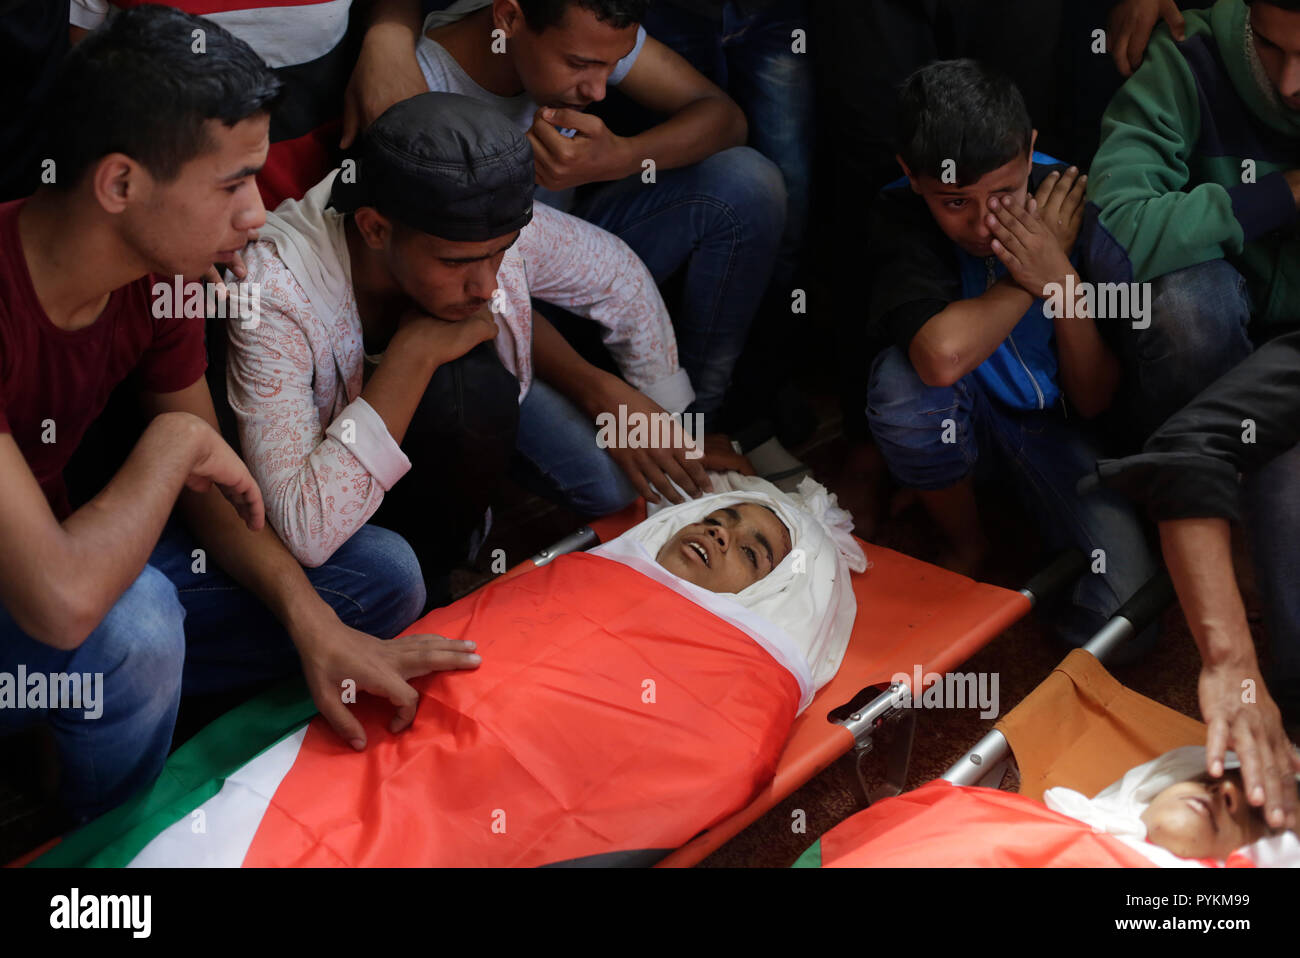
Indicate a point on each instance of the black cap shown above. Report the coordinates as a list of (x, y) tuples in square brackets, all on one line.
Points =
[(444, 164)]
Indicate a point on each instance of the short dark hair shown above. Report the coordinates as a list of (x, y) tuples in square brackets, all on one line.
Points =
[(136, 86), (963, 111), (540, 14)]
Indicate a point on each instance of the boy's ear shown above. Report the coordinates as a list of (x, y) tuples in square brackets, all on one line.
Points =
[(1033, 141), (906, 172), (507, 16), (116, 179), (373, 226)]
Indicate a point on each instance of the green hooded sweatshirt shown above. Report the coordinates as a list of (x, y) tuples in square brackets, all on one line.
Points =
[(1190, 167)]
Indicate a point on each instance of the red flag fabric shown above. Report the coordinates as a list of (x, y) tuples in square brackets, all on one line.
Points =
[(941, 825), (610, 716)]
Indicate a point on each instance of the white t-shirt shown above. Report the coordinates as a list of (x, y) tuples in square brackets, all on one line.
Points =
[(444, 75), (282, 33)]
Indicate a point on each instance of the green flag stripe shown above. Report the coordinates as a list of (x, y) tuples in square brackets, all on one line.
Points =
[(812, 858), (193, 774)]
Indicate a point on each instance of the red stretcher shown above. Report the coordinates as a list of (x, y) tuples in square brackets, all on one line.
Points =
[(910, 613), (1079, 728)]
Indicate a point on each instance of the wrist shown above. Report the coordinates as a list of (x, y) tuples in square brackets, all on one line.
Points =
[(1009, 282), (594, 393), (1069, 281), (419, 339), (1228, 646), (304, 615), (627, 157)]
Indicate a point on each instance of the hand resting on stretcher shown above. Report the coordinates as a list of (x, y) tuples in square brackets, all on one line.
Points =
[(627, 699)]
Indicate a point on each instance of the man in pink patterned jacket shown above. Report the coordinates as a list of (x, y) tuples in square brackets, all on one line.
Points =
[(396, 334)]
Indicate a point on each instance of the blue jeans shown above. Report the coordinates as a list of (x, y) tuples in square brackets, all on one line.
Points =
[(751, 56), (558, 459), (175, 630), (1199, 316), (721, 220), (1044, 456)]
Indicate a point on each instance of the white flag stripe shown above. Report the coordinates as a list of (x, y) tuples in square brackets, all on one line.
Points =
[(230, 818)]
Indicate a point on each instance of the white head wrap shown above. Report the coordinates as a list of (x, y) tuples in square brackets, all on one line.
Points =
[(803, 610), (1118, 809)]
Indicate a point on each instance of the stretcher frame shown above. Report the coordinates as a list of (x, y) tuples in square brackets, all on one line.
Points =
[(883, 724), (989, 759)]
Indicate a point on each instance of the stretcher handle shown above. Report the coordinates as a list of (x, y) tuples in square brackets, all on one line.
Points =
[(1143, 608), (582, 538), (1058, 576), (1146, 604)]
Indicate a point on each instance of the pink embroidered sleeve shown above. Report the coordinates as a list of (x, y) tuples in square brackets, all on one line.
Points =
[(320, 485), (593, 273)]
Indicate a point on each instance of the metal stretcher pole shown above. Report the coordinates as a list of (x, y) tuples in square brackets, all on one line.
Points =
[(888, 708), (988, 758), (1138, 612), (582, 538)]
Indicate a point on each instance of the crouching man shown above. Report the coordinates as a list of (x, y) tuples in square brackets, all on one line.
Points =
[(154, 170), (397, 335)]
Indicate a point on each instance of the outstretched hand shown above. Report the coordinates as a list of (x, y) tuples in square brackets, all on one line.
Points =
[(1242, 716), (333, 654)]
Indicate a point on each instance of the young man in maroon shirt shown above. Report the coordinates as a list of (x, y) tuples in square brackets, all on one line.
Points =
[(156, 140)]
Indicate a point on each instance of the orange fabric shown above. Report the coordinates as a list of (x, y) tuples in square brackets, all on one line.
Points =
[(941, 825), (1082, 729), (909, 613), (551, 740)]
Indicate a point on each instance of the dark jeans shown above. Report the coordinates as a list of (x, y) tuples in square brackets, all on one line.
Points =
[(176, 630), (468, 433), (460, 442), (1037, 450), (752, 58), (720, 222), (1197, 332)]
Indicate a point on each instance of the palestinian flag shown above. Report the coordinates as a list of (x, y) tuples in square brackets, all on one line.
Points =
[(941, 825), (611, 721)]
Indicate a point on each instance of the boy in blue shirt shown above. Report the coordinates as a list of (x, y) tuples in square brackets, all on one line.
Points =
[(968, 250)]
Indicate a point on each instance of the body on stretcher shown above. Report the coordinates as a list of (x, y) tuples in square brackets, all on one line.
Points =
[(1075, 734), (918, 613)]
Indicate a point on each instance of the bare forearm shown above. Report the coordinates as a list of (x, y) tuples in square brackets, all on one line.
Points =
[(258, 560), (108, 540), (396, 387), (1089, 370), (965, 333), (707, 126), (397, 17), (1198, 554), (560, 366)]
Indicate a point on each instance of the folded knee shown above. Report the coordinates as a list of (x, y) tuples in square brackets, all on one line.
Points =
[(749, 186), (474, 397), (143, 634)]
